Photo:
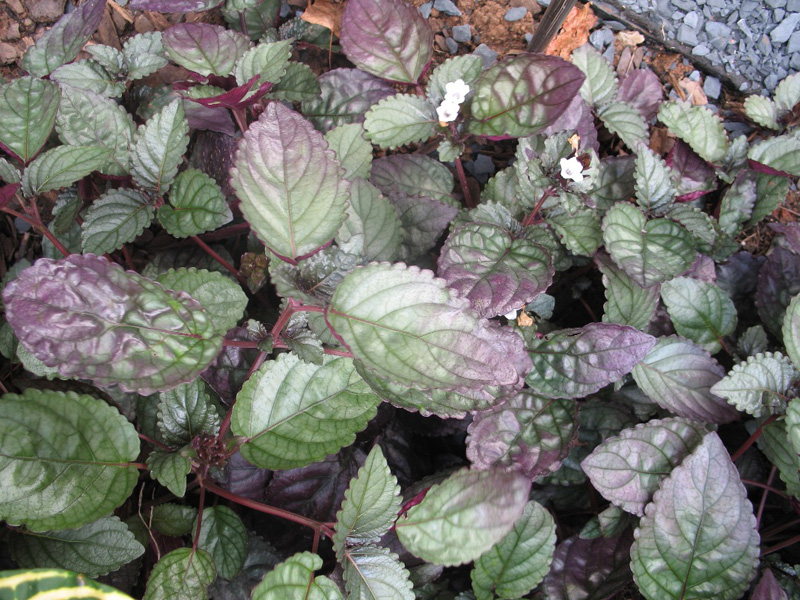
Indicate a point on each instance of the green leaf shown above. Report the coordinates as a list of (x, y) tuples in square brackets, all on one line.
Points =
[(267, 60), (94, 549), (580, 232), (291, 186), (224, 537), (299, 84), (762, 111), (627, 469), (183, 574), (370, 505), (47, 485), (64, 40), (29, 107), (775, 445), (466, 67), (185, 412), (737, 204), (173, 519), (294, 413), (294, 579), (771, 191), (223, 299), (399, 120), (352, 149), (204, 48), (108, 57), (372, 228), (576, 362), (700, 311), (196, 205), (374, 573), (608, 523), (464, 516), (88, 119), (700, 224), (115, 219), (757, 385), (26, 585), (600, 85), (698, 127), (787, 94), (170, 470), (627, 303), (88, 75), (8, 172), (793, 424), (61, 167), (698, 537), (791, 330), (650, 252), (781, 153), (626, 121), (518, 562), (144, 54), (655, 181), (678, 374), (413, 174), (410, 327), (159, 148)]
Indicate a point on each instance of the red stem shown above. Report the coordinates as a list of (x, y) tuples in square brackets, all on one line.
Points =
[(41, 228), (531, 218), (751, 440), (765, 486), (200, 506), (462, 180), (781, 545), (323, 528), (210, 251), (763, 502), (150, 440)]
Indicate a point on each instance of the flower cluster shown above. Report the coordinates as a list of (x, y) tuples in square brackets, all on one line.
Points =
[(455, 93)]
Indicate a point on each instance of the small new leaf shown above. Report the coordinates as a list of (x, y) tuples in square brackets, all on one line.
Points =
[(170, 470), (185, 412), (196, 205), (224, 537), (294, 579), (183, 573)]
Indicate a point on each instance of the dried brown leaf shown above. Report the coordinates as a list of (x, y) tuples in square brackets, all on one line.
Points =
[(574, 33)]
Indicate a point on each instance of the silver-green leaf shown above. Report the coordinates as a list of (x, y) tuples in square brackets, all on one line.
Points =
[(224, 537), (698, 127), (29, 107), (294, 579), (61, 167), (399, 120), (159, 148), (757, 386), (196, 205), (117, 217), (183, 574)]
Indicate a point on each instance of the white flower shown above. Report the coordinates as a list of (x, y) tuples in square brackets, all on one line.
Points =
[(447, 111), (511, 316), (571, 168), (456, 91)]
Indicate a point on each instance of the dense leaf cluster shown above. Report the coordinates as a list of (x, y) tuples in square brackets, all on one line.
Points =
[(393, 395)]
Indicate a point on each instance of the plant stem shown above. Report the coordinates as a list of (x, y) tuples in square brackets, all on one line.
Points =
[(150, 440), (462, 180), (200, 506), (781, 545), (765, 486), (39, 226), (751, 440), (764, 496), (531, 218), (210, 251), (323, 528)]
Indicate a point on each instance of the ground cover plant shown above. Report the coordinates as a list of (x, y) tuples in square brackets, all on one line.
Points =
[(405, 389)]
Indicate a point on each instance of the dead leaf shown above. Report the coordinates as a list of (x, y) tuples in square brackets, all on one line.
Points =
[(694, 92), (325, 13), (630, 38), (574, 32)]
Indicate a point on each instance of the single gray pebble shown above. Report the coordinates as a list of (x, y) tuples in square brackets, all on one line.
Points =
[(462, 33), (764, 46), (691, 19), (488, 55), (686, 5), (794, 62), (775, 3), (609, 54), (483, 165), (616, 26), (701, 50), (515, 14), (527, 37), (543, 2), (712, 87), (452, 45), (771, 81), (687, 35), (596, 40), (793, 6), (677, 16), (744, 28), (778, 14), (425, 10), (744, 86), (793, 46), (694, 76), (446, 7), (783, 32)]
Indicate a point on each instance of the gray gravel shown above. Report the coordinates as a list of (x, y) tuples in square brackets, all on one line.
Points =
[(759, 40)]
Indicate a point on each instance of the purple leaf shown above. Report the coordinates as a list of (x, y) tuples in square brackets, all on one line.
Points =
[(522, 95), (495, 270), (204, 118), (387, 38), (627, 469), (768, 588), (65, 39), (7, 193), (589, 569), (240, 96), (642, 90), (423, 220), (203, 48), (174, 6), (738, 276), (790, 233), (345, 96), (240, 477), (413, 174), (213, 154), (695, 177), (778, 283), (678, 374), (94, 320), (528, 432), (231, 367), (573, 363), (577, 116), (315, 491)]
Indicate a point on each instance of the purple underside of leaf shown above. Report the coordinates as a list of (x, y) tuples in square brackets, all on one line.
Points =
[(174, 6), (762, 168), (790, 233), (7, 193), (577, 116), (641, 89), (778, 282), (240, 96), (204, 118), (768, 588), (695, 176)]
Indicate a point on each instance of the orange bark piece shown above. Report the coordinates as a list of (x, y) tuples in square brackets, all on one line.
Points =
[(574, 32)]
